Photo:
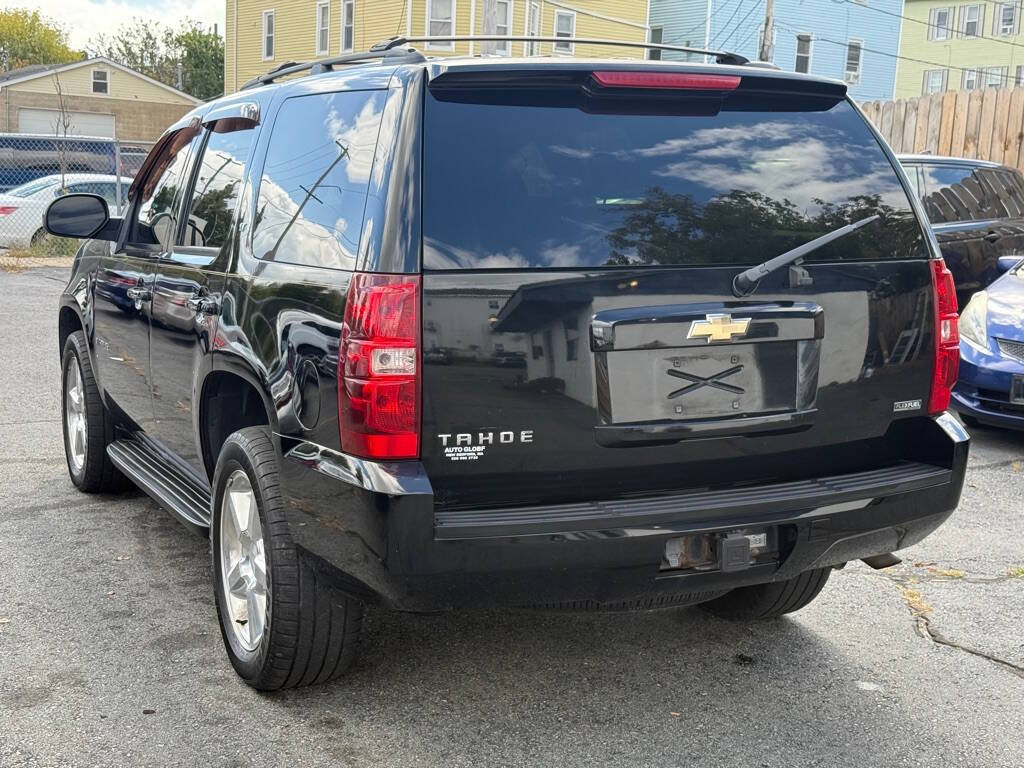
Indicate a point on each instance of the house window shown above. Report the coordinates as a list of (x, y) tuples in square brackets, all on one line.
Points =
[(1005, 21), (995, 77), (441, 22), (348, 16), (939, 23), (803, 53), (503, 26), (1018, 78), (323, 27), (268, 35), (565, 26), (100, 81), (970, 80), (934, 81), (853, 61), (971, 24), (532, 28), (656, 35)]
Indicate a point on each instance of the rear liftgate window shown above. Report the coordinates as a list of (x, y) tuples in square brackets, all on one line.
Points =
[(530, 183)]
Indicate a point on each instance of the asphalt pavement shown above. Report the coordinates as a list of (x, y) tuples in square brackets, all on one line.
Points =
[(110, 653)]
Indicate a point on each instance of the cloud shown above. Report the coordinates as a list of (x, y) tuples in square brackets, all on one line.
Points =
[(85, 19)]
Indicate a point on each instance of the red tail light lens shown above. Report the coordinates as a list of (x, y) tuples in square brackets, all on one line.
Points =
[(7, 209), (947, 338), (379, 367), (669, 80)]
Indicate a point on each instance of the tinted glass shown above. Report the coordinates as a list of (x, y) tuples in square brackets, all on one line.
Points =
[(955, 193), (217, 187), (537, 186), (161, 191), (313, 190)]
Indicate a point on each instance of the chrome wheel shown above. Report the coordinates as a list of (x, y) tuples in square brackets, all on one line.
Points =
[(75, 421), (243, 562)]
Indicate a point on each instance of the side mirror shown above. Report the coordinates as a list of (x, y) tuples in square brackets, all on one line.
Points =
[(1006, 263), (81, 216)]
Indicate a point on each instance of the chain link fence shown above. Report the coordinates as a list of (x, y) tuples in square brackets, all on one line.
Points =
[(34, 170)]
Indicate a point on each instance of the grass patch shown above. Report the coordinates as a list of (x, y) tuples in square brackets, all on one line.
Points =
[(950, 573), (1017, 572), (48, 247), (916, 602)]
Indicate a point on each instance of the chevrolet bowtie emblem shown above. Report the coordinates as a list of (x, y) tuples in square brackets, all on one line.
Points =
[(718, 327)]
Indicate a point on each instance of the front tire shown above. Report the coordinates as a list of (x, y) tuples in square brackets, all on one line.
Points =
[(771, 600), (284, 624), (88, 428)]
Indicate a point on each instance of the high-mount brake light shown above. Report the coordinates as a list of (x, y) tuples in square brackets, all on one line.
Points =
[(947, 338), (685, 81), (379, 367)]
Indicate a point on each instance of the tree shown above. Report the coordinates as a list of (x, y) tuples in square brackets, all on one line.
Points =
[(188, 57), (28, 38)]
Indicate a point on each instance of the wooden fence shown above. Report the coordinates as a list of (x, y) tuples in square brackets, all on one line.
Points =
[(986, 124)]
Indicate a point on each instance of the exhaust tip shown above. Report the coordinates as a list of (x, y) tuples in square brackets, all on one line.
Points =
[(882, 561)]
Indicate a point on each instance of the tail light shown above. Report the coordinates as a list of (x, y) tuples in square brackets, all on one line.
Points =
[(667, 80), (947, 338), (379, 367), (7, 209)]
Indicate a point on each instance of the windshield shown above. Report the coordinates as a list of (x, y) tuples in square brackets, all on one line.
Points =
[(538, 186), (32, 187)]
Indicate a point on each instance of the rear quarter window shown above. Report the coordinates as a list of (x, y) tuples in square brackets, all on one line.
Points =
[(312, 193), (513, 186)]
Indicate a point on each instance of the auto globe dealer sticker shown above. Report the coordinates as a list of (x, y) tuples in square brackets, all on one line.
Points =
[(470, 446)]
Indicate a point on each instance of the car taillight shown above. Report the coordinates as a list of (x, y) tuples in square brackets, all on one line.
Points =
[(7, 209), (379, 367), (671, 80), (947, 338)]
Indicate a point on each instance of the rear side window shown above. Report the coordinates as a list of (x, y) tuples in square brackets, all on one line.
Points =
[(217, 187), (160, 193), (514, 186), (313, 190), (956, 193)]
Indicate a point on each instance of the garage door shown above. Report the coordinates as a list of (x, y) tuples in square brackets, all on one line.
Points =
[(45, 121)]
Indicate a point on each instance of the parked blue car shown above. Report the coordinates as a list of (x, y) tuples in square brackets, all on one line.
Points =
[(990, 389)]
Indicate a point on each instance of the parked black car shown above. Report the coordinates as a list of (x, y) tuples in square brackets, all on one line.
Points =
[(737, 343), (976, 209)]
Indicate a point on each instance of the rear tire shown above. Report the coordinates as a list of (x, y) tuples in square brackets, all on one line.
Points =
[(307, 630), (88, 428), (768, 601)]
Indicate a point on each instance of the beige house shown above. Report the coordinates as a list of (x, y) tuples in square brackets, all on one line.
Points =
[(100, 97), (263, 34)]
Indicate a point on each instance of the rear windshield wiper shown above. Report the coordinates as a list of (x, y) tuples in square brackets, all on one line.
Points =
[(746, 281)]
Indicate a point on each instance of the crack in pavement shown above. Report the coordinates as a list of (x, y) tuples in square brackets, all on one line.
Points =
[(920, 613)]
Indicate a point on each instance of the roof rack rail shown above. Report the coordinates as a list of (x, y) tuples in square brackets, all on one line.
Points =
[(318, 66), (721, 57)]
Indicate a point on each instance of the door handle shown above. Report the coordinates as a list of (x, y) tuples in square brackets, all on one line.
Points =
[(139, 294), (992, 236), (202, 305)]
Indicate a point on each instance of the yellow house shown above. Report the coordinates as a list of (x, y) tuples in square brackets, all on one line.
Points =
[(97, 97), (263, 34)]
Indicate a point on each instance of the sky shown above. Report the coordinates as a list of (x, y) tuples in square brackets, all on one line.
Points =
[(84, 19)]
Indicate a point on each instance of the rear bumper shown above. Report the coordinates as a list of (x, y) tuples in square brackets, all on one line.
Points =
[(375, 526)]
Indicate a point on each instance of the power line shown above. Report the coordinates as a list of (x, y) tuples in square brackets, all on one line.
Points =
[(739, 4), (753, 8), (894, 55), (929, 24)]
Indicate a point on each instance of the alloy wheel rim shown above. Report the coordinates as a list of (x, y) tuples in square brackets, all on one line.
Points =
[(243, 562), (74, 416)]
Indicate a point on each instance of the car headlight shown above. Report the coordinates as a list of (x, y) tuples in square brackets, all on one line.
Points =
[(974, 322)]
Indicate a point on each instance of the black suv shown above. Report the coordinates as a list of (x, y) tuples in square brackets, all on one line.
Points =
[(976, 209), (698, 343)]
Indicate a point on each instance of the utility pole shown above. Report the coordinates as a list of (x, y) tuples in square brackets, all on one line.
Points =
[(765, 54)]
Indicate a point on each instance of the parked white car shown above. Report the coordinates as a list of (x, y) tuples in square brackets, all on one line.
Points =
[(22, 208)]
